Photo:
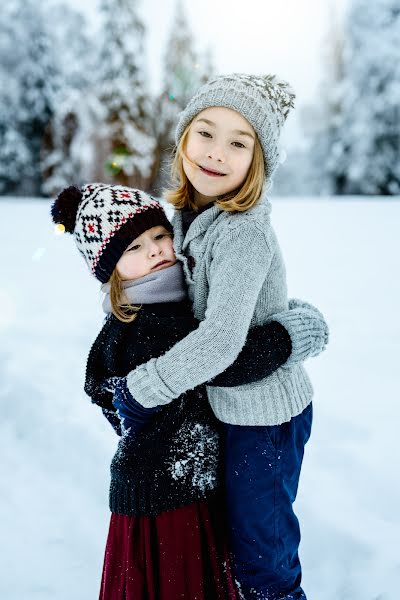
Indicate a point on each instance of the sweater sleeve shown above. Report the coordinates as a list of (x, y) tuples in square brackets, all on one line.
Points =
[(267, 348), (241, 259)]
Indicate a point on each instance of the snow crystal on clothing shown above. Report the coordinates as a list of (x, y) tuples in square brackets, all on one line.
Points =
[(198, 443)]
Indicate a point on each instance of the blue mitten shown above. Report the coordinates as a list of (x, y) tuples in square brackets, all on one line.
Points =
[(134, 417)]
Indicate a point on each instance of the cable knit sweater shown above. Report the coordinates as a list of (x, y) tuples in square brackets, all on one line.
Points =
[(236, 279)]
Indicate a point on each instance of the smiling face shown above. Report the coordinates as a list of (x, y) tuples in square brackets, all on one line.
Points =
[(150, 252), (220, 143)]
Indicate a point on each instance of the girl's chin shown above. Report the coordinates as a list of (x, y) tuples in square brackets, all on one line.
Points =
[(204, 198), (211, 191)]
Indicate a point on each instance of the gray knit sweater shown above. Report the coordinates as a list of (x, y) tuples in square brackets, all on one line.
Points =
[(238, 281)]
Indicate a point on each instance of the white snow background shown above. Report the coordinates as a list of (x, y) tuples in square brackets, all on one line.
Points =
[(341, 254)]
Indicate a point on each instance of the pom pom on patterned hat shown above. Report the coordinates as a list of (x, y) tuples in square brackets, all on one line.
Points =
[(64, 209), (105, 221), (264, 100)]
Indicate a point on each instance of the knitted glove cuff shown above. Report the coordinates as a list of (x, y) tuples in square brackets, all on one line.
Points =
[(308, 333), (147, 387), (320, 319)]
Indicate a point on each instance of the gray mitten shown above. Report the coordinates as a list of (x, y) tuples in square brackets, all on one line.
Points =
[(307, 328)]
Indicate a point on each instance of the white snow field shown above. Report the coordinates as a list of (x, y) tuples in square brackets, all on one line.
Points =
[(344, 256)]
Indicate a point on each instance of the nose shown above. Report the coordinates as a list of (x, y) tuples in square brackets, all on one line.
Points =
[(154, 249), (216, 153)]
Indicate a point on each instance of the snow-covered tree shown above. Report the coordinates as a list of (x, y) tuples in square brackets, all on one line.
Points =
[(370, 134), (185, 70), (14, 151), (357, 132), (322, 119), (68, 153), (71, 149), (28, 82), (124, 142), (15, 155)]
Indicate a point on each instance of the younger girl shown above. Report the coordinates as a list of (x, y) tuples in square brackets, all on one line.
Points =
[(166, 539), (227, 151)]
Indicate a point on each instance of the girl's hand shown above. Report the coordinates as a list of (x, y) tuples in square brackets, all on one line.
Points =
[(307, 328), (134, 417)]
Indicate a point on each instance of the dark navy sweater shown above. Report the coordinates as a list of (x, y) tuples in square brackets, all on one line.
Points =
[(174, 461)]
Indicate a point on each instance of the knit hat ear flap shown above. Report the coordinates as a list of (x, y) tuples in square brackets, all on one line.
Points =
[(65, 207), (283, 92)]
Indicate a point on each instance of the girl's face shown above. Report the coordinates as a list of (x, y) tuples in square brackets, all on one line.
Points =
[(220, 143), (150, 252)]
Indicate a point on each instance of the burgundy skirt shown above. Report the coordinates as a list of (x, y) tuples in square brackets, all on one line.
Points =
[(180, 554)]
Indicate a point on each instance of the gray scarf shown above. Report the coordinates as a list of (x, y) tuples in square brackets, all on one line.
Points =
[(167, 285)]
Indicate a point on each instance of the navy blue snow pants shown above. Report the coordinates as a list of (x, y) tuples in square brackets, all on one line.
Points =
[(262, 470)]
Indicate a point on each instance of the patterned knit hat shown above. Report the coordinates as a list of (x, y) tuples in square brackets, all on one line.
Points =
[(265, 101), (105, 219)]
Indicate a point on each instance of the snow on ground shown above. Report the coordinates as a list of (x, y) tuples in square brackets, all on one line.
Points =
[(342, 255)]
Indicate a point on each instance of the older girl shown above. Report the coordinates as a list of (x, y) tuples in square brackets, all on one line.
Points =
[(227, 152)]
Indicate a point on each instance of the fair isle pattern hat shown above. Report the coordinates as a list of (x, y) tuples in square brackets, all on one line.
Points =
[(264, 100), (105, 219)]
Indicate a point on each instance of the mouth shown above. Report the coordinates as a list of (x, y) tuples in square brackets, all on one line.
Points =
[(160, 264), (211, 172)]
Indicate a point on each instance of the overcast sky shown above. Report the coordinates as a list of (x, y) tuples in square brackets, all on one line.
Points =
[(255, 36)]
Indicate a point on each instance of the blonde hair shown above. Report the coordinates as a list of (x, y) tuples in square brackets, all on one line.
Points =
[(126, 313), (239, 200)]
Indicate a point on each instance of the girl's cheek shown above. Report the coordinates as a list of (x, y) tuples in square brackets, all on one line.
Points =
[(169, 247), (190, 148)]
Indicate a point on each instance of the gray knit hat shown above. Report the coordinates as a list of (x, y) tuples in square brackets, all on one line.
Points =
[(264, 100)]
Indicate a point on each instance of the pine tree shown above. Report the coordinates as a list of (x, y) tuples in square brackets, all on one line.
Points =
[(126, 145), (68, 152), (370, 132), (322, 120), (38, 80), (356, 131), (184, 72), (29, 81), (15, 156)]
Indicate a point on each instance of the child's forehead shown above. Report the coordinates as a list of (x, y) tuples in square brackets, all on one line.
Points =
[(149, 232), (223, 116)]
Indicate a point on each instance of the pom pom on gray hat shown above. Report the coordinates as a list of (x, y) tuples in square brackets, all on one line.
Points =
[(264, 100), (108, 218)]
